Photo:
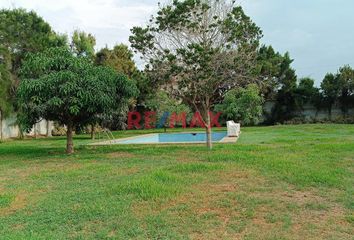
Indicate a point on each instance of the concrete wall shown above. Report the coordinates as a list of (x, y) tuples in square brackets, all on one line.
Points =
[(310, 112), (10, 129)]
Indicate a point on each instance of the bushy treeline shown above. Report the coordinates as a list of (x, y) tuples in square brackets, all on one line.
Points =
[(46, 75), (24, 33), (290, 94)]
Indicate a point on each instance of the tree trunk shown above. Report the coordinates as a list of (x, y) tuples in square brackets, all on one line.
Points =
[(35, 131), (49, 132), (208, 132), (20, 132), (69, 138), (92, 131)]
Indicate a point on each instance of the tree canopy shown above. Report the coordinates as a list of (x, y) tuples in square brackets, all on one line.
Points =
[(5, 86), (5, 83), (22, 32), (243, 105), (275, 71), (83, 44), (58, 85), (331, 90), (120, 58), (307, 92), (199, 48), (161, 103), (345, 76)]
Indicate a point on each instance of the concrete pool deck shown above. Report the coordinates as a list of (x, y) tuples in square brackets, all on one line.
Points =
[(120, 141)]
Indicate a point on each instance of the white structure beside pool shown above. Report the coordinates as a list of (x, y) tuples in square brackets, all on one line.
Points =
[(233, 129)]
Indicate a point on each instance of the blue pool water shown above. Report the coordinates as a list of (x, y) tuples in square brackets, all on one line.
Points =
[(173, 137)]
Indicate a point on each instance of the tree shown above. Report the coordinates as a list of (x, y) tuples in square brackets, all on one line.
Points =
[(331, 87), (243, 105), (147, 87), (306, 92), (346, 78), (83, 44), (120, 58), (279, 84), (197, 49), (5, 86), (57, 85), (286, 105), (22, 32), (271, 69)]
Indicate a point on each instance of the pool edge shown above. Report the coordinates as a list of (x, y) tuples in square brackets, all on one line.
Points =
[(118, 141)]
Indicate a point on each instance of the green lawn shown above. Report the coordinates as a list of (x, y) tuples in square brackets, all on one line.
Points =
[(281, 182)]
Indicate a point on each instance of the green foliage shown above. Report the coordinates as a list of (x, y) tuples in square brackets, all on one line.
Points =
[(269, 69), (346, 79), (147, 87), (161, 102), (242, 105), (286, 104), (307, 92), (331, 88), (279, 84), (22, 32), (120, 58), (60, 86), (197, 58), (198, 49), (5, 83), (83, 44), (339, 88), (275, 71)]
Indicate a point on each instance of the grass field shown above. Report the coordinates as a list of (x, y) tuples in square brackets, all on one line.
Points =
[(281, 182)]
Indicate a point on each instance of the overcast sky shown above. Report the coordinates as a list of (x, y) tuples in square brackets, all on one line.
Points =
[(319, 34)]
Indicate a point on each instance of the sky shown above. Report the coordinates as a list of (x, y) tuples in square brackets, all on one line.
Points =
[(318, 34)]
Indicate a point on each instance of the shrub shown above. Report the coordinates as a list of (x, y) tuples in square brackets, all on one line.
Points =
[(242, 105)]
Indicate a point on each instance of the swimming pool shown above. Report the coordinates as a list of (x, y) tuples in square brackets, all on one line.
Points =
[(196, 137)]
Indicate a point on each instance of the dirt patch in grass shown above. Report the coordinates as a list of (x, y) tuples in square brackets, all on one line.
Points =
[(39, 167), (186, 156), (117, 155), (19, 202), (125, 171), (239, 204)]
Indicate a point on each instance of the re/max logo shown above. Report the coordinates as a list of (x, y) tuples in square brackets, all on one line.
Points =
[(135, 120)]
